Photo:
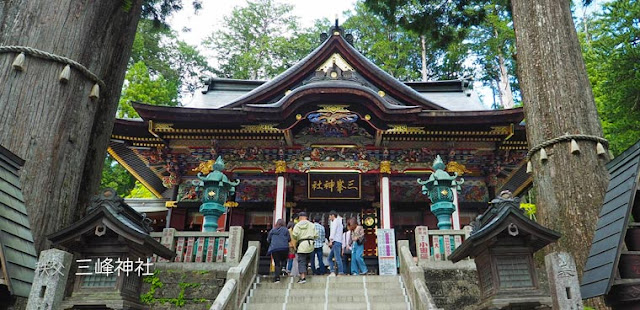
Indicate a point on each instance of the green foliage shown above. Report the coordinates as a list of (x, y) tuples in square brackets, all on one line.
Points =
[(149, 299), (140, 191), (388, 46), (159, 10), (612, 57), (442, 22), (529, 210), (260, 40), (140, 86), (161, 68), (117, 177), (492, 41)]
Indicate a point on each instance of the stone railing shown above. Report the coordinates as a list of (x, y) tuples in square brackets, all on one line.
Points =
[(239, 280), (437, 245), (413, 279), (202, 247)]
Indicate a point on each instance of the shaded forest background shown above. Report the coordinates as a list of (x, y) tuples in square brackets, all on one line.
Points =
[(466, 39)]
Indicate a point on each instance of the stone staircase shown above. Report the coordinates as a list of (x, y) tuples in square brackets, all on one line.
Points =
[(329, 293)]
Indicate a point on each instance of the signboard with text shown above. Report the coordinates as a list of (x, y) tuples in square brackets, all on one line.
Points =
[(387, 252), (323, 185)]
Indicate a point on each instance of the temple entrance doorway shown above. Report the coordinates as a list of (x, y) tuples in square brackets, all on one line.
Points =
[(366, 213)]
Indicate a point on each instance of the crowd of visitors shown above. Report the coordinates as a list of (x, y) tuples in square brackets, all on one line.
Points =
[(303, 243)]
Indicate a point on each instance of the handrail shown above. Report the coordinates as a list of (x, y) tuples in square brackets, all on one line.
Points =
[(413, 277), (437, 245), (201, 247), (239, 280)]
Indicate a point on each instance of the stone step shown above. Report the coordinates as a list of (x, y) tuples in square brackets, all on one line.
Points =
[(335, 285), (337, 279), (331, 306), (332, 292), (312, 299)]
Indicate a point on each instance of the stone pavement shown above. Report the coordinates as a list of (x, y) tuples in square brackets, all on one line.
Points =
[(329, 293)]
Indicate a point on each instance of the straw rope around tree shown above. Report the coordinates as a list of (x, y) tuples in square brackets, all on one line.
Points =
[(18, 64), (601, 144)]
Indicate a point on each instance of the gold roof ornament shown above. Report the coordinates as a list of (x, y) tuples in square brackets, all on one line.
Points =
[(163, 127), (281, 166), (205, 167), (338, 61), (456, 167), (385, 166)]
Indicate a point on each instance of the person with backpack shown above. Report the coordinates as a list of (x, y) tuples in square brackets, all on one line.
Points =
[(278, 239), (305, 235), (357, 248)]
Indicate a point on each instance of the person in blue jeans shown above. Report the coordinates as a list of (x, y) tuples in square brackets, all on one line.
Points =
[(335, 242), (357, 248), (317, 251)]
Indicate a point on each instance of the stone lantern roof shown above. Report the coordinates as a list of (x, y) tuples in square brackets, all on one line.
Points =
[(503, 217), (109, 213)]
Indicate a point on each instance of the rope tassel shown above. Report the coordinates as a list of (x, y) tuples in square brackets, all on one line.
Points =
[(575, 149), (543, 155), (18, 63), (600, 149), (65, 74), (95, 92), (529, 167)]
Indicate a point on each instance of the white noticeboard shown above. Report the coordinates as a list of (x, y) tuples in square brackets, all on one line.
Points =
[(387, 252)]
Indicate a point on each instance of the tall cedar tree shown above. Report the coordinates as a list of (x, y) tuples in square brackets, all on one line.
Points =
[(558, 100), (55, 127)]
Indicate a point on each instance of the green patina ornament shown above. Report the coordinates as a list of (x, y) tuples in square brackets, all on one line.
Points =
[(217, 188), (439, 187)]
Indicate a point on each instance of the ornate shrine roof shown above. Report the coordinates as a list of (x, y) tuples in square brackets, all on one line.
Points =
[(334, 83)]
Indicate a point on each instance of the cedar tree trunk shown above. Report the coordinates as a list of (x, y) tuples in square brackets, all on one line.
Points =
[(60, 132), (557, 100)]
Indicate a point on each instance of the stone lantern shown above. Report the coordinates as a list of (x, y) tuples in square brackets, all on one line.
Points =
[(217, 188), (502, 244), (439, 187)]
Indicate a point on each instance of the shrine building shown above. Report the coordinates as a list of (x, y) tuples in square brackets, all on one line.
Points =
[(332, 132)]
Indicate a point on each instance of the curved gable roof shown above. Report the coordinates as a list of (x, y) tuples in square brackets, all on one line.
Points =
[(293, 76)]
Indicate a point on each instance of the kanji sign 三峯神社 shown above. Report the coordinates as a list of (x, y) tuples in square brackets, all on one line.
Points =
[(323, 185)]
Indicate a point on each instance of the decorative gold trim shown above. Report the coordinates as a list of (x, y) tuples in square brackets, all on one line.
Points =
[(118, 137), (133, 172), (381, 93), (281, 166), (456, 167), (163, 127), (333, 108), (385, 166), (171, 204), (335, 59), (247, 170), (204, 167), (260, 128), (186, 137), (405, 129), (333, 170), (367, 117)]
